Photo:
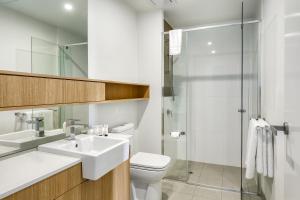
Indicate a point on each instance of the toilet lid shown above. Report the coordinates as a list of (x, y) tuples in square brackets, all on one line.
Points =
[(149, 160)]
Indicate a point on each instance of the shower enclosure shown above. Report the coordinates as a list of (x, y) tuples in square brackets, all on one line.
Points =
[(205, 85)]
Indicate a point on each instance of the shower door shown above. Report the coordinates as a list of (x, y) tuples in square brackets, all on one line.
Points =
[(214, 96), (175, 112), (203, 102)]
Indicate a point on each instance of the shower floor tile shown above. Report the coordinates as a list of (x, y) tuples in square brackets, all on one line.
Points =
[(227, 177), (174, 190)]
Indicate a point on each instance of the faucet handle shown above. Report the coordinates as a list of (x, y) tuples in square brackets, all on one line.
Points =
[(38, 118)]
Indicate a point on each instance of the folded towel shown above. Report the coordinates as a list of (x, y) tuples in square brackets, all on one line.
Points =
[(265, 149), (175, 40), (259, 154), (264, 152), (270, 152), (251, 149), (250, 138)]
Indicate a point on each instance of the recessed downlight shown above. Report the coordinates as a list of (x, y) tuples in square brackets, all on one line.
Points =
[(68, 7), (209, 43), (213, 52)]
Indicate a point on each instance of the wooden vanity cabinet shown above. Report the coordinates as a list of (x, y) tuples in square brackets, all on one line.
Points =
[(69, 185), (22, 91), (84, 91)]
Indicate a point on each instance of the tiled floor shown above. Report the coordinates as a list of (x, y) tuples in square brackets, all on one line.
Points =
[(173, 190), (212, 175)]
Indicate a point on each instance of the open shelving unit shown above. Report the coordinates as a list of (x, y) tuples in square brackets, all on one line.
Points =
[(20, 90)]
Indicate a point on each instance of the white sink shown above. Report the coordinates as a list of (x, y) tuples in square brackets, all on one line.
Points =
[(99, 155), (28, 139)]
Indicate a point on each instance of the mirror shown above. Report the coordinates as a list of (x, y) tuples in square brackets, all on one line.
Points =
[(43, 37)]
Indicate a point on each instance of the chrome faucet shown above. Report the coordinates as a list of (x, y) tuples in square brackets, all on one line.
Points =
[(39, 126), (73, 127)]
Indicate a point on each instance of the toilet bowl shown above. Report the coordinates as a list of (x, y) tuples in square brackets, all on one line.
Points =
[(147, 169)]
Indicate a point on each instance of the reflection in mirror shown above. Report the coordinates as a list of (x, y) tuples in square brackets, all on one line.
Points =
[(26, 129), (44, 37)]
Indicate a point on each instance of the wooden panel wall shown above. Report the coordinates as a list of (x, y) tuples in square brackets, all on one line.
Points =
[(69, 185)]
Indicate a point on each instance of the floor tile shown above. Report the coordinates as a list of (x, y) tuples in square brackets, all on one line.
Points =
[(177, 187), (207, 194), (180, 196), (173, 190), (211, 175), (231, 196), (231, 178), (193, 178)]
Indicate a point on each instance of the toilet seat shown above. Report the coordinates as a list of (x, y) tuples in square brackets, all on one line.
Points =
[(149, 161), (148, 169)]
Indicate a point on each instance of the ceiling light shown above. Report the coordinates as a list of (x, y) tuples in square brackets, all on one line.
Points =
[(213, 51), (209, 43), (68, 7)]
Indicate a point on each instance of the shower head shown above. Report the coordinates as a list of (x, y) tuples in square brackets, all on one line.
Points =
[(164, 3)]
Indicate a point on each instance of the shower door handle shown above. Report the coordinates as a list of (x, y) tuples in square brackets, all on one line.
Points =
[(241, 110)]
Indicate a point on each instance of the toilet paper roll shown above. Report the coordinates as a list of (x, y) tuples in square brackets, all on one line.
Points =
[(175, 134)]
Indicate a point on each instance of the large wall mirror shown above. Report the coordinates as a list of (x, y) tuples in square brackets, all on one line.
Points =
[(44, 37)]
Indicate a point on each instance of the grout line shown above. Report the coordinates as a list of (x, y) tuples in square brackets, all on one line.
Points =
[(222, 177)]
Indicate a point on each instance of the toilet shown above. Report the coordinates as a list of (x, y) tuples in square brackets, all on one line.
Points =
[(147, 169)]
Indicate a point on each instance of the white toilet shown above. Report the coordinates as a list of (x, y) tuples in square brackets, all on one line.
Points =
[(146, 169)]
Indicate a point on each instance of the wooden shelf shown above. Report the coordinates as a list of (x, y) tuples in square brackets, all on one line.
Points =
[(26, 90)]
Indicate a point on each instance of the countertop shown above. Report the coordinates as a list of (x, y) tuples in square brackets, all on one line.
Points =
[(21, 171), (4, 150)]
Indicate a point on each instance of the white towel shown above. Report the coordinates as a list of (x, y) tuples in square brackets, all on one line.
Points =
[(259, 154), (270, 153), (251, 149), (175, 40), (251, 133), (264, 152), (265, 149)]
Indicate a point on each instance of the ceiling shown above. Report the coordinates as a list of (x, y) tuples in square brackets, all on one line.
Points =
[(53, 12), (188, 13)]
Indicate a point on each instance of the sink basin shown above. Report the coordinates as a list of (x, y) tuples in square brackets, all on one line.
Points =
[(99, 155), (28, 139)]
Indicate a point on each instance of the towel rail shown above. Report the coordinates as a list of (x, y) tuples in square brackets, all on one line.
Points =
[(285, 128), (275, 128)]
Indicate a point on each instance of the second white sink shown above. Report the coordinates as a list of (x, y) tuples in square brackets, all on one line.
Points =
[(99, 154), (27, 139)]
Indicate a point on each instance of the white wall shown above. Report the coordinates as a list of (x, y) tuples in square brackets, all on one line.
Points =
[(112, 41), (292, 99), (126, 46), (281, 100), (113, 55), (272, 35), (150, 28)]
